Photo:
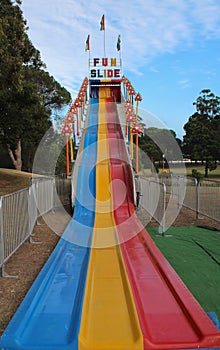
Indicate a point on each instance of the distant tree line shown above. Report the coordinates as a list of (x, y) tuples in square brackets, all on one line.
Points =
[(29, 95), (160, 146), (201, 141)]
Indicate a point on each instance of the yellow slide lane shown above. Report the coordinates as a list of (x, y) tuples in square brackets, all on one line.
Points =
[(109, 318)]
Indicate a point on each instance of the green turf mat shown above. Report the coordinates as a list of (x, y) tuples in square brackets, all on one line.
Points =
[(194, 253)]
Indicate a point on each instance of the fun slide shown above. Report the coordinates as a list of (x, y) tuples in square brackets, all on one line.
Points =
[(106, 285)]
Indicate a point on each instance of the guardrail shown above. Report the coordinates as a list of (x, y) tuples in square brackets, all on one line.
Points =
[(14, 224), (20, 210), (202, 197), (153, 200)]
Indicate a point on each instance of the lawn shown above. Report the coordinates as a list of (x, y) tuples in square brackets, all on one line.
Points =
[(187, 170), (13, 180), (194, 253), (213, 175)]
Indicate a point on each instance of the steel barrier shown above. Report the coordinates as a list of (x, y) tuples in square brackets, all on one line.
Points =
[(43, 191), (62, 190), (153, 200), (20, 210), (208, 200), (203, 197), (14, 223)]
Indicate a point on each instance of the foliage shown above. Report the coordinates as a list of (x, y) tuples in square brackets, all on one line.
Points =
[(51, 94), (158, 145), (15, 47), (201, 139), (28, 94), (197, 174), (207, 103)]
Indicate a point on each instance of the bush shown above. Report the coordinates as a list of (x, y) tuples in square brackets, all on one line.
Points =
[(199, 176)]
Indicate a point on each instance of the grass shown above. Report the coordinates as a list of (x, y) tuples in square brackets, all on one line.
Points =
[(201, 168), (195, 255), (215, 174), (13, 180), (179, 170)]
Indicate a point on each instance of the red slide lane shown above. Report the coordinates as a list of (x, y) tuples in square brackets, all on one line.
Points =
[(170, 317)]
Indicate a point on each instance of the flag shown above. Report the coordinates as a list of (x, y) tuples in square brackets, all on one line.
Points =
[(119, 43), (102, 23), (87, 44)]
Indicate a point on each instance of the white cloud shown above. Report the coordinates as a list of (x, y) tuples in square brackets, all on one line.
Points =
[(184, 83), (205, 13), (148, 28)]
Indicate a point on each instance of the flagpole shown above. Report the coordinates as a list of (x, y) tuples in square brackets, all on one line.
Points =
[(89, 61), (88, 49), (119, 49), (102, 28), (104, 45)]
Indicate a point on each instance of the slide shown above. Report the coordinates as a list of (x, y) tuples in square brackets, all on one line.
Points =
[(170, 317), (106, 285), (50, 315), (109, 318)]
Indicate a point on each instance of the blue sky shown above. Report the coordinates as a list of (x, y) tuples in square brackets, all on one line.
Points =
[(170, 48)]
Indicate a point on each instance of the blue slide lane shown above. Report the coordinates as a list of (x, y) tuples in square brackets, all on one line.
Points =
[(49, 316)]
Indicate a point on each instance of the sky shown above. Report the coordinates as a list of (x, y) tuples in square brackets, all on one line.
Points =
[(170, 49)]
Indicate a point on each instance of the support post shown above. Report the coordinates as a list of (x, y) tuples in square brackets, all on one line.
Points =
[(71, 149), (2, 257), (67, 156), (197, 198), (163, 221), (136, 155), (131, 143)]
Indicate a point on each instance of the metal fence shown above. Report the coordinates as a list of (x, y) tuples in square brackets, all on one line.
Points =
[(62, 191), (14, 223), (202, 197), (209, 199), (19, 212), (153, 200)]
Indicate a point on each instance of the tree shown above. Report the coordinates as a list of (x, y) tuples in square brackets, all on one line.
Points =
[(150, 147), (51, 93), (15, 47), (28, 94), (159, 145), (201, 139), (207, 103)]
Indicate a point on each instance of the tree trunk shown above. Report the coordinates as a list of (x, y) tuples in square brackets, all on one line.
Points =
[(16, 156), (206, 170)]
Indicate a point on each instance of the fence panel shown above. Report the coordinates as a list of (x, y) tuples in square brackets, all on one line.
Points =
[(62, 190), (1, 235), (15, 221), (43, 191), (203, 197), (209, 198), (32, 207), (153, 200), (20, 210), (190, 199)]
